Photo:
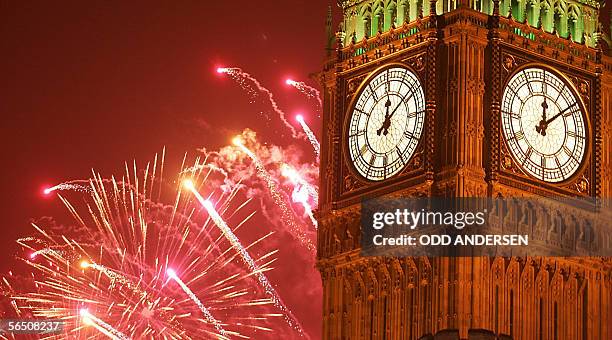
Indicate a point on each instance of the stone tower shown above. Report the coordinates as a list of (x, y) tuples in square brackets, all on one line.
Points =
[(475, 63)]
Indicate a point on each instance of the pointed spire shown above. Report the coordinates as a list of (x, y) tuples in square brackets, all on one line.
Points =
[(329, 30)]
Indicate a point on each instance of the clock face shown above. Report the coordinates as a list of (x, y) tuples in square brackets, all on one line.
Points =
[(543, 125), (386, 123)]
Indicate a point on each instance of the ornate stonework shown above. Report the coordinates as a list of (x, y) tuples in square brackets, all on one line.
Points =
[(463, 58)]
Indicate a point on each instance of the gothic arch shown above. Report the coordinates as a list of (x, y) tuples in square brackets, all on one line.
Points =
[(560, 18), (546, 15), (403, 12), (574, 22), (378, 18), (532, 12), (391, 14), (364, 24)]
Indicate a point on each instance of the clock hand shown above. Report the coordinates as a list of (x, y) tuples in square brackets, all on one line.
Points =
[(541, 127), (387, 121), (558, 114), (544, 107), (400, 103)]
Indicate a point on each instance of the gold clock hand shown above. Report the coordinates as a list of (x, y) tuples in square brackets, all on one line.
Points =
[(558, 114), (387, 120)]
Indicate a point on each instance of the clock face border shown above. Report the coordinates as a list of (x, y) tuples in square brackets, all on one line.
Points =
[(585, 115), (371, 75)]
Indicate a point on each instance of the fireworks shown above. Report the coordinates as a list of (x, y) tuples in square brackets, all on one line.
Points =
[(144, 261), (247, 81), (77, 185), (302, 191), (101, 326), (309, 91), (118, 265), (209, 317), (311, 136), (246, 258), (286, 214)]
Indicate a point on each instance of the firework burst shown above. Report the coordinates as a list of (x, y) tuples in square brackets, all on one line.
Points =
[(119, 275)]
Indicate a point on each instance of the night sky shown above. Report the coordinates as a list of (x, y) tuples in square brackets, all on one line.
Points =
[(93, 84)]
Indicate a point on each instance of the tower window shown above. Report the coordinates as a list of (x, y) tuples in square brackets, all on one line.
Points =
[(541, 319), (497, 310), (585, 315), (556, 322)]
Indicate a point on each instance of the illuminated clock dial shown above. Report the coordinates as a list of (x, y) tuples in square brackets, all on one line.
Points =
[(386, 123), (544, 125)]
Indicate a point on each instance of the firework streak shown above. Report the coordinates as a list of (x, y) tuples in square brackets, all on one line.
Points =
[(309, 91), (286, 213), (311, 136), (76, 185), (102, 326), (172, 274), (302, 191), (241, 77), (246, 258)]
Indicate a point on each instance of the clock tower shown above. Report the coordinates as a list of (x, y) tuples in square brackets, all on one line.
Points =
[(466, 98)]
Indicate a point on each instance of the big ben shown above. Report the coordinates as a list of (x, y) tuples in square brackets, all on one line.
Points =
[(464, 99)]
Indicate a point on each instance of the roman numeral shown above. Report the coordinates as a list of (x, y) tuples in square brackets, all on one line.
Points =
[(569, 152), (373, 92), (528, 153), (361, 111), (560, 92), (528, 83), (558, 163), (408, 134), (512, 114), (385, 166), (388, 84), (399, 153), (357, 134)]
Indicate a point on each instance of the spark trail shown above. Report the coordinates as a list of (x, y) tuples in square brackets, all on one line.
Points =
[(76, 185), (302, 191), (246, 258), (209, 317), (102, 326), (309, 91), (114, 276), (311, 136), (244, 79), (295, 177), (286, 213)]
